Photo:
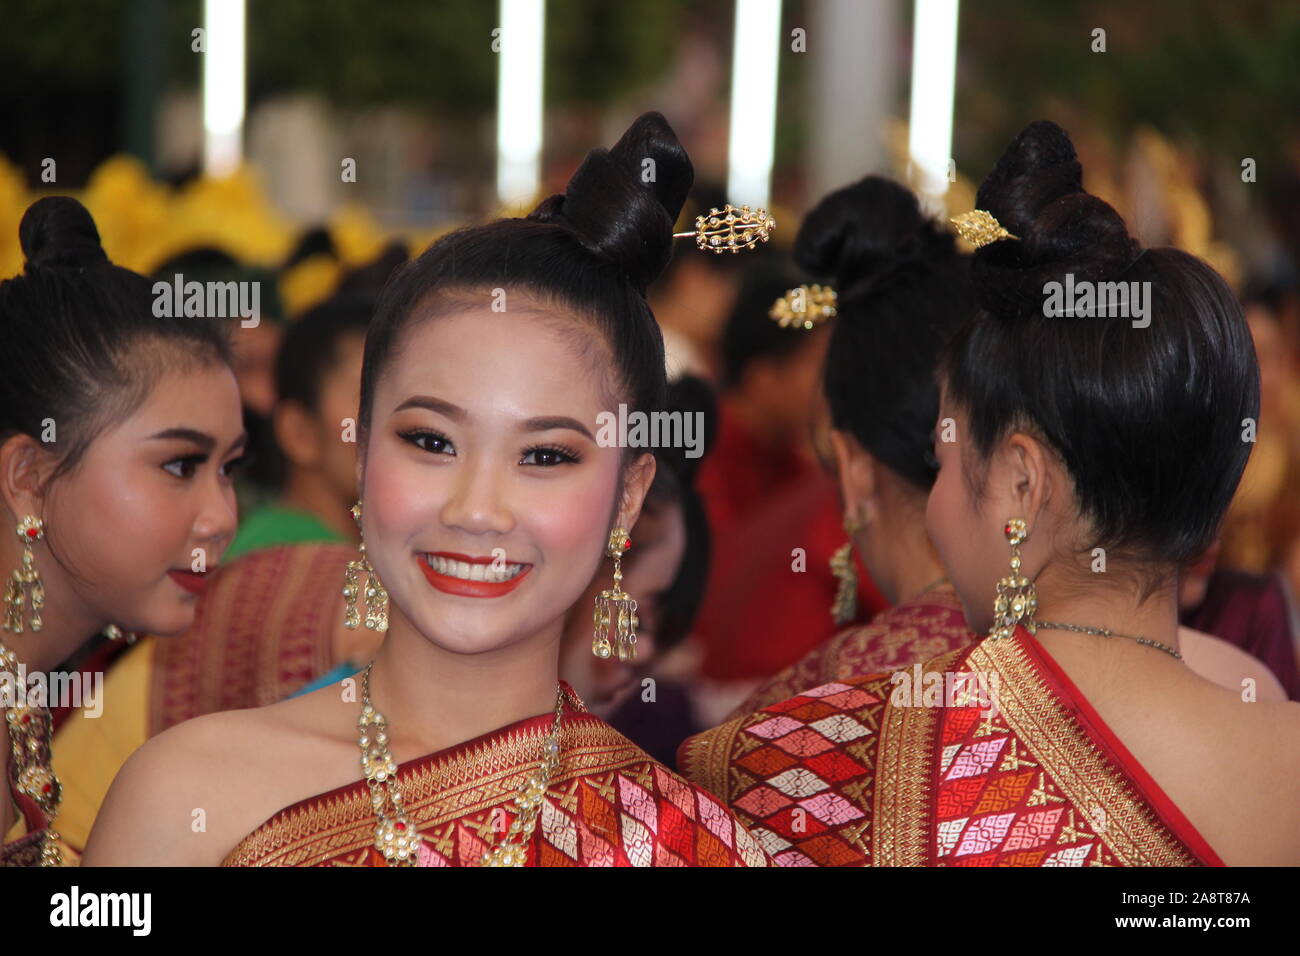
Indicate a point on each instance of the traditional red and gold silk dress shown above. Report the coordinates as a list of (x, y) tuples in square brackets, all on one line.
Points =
[(930, 624), (861, 773), (609, 804)]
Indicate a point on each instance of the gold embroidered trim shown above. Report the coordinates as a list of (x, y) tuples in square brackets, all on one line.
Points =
[(1060, 744), (706, 759), (437, 793), (904, 766)]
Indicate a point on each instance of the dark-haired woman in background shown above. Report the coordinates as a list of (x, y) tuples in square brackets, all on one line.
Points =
[(486, 505), (1073, 734), (118, 434), (905, 290), (766, 495), (902, 289)]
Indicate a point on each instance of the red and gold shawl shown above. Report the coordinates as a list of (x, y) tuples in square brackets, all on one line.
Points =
[(870, 772), (610, 804), (930, 624)]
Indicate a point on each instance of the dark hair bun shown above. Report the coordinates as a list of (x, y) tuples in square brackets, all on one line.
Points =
[(58, 232), (1036, 192), (864, 232), (621, 207)]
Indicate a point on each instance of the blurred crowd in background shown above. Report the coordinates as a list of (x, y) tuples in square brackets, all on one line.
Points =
[(1165, 120)]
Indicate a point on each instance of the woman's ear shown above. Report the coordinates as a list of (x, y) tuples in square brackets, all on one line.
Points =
[(636, 484), (1026, 479), (855, 474), (25, 467)]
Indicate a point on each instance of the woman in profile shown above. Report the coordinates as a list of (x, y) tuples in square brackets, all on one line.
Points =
[(119, 431), (487, 503), (1074, 733)]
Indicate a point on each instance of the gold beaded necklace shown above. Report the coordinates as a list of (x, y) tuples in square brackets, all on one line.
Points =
[(397, 838), (31, 730), (1107, 632)]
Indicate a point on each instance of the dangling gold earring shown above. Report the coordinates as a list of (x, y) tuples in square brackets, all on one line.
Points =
[(376, 594), (25, 585), (616, 601), (845, 607), (1017, 600)]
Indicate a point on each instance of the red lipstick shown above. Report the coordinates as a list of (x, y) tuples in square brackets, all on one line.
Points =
[(192, 581), (478, 589)]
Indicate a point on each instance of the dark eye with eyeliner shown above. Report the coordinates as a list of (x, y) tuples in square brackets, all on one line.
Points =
[(415, 435), (559, 455), (546, 456), (190, 463)]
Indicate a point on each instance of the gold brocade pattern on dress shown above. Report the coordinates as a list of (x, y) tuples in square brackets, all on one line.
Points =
[(865, 772), (917, 630), (1070, 759), (608, 804)]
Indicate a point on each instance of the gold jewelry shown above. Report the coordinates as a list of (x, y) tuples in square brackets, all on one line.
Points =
[(1107, 632), (1017, 599), (845, 606), (115, 633), (30, 766), (398, 839), (615, 601), (25, 585), (376, 593), (815, 304), (979, 228), (730, 229)]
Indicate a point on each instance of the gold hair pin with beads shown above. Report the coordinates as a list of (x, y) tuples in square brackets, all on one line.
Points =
[(979, 228), (730, 229), (806, 306)]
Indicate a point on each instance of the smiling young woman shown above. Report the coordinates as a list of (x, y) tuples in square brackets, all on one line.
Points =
[(486, 508), (118, 433)]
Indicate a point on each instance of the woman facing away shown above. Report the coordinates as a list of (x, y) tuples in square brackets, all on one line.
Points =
[(118, 433), (487, 503), (902, 290), (1095, 453)]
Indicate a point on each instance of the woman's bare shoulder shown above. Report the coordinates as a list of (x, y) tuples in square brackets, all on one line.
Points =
[(192, 792)]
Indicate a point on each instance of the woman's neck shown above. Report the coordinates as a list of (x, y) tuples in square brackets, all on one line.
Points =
[(432, 698), (908, 563), (1062, 599)]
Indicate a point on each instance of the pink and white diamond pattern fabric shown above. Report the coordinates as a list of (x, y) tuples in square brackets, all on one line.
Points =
[(857, 772)]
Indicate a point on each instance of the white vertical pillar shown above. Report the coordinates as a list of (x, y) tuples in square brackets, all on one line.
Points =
[(853, 66), (752, 141), (519, 100), (223, 85), (934, 71)]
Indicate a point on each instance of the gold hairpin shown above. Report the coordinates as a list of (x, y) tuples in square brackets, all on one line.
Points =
[(806, 306), (730, 229), (979, 228)]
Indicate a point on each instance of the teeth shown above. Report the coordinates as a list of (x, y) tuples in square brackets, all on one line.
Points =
[(472, 572)]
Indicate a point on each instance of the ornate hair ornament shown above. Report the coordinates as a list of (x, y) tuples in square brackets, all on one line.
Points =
[(979, 228), (730, 229), (806, 306)]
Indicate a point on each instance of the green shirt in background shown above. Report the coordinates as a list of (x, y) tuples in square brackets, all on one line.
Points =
[(272, 524)]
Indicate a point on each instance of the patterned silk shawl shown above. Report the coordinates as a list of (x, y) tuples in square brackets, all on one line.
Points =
[(610, 804), (860, 772)]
